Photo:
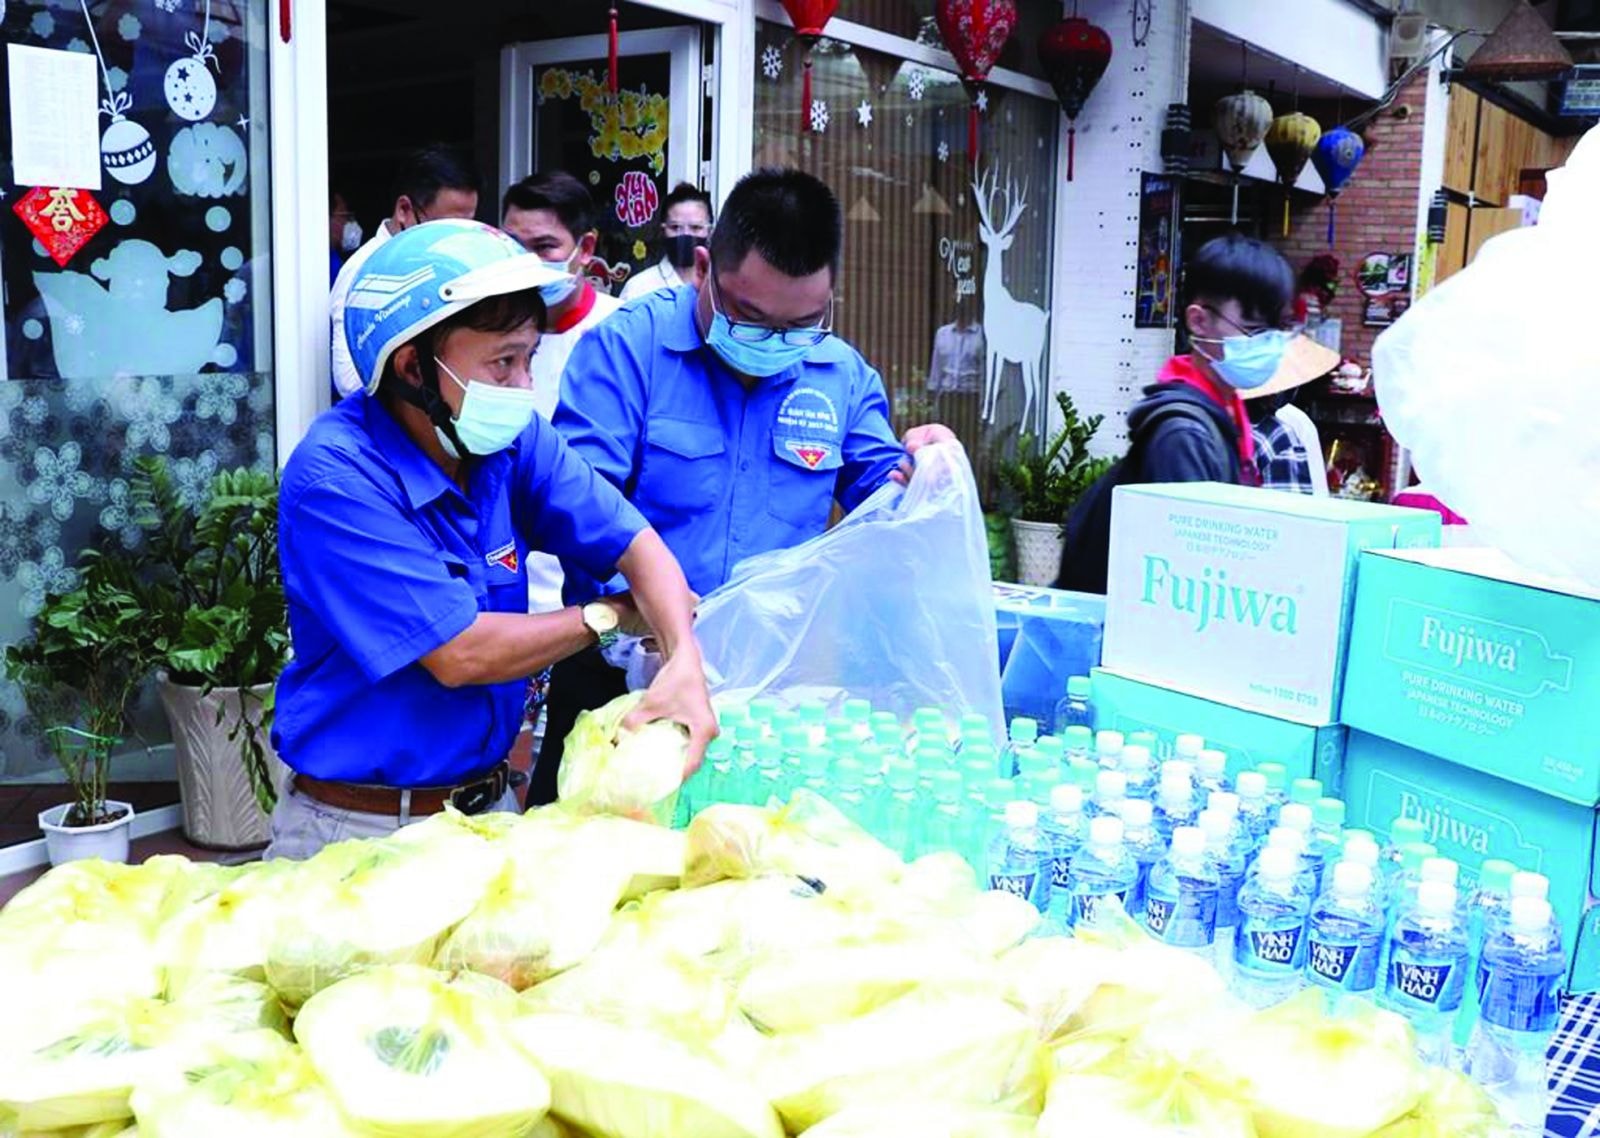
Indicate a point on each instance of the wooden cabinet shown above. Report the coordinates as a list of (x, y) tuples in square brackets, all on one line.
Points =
[(1453, 252), (1462, 140), (1487, 223)]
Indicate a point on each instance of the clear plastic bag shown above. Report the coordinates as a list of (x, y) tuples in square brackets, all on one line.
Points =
[(892, 605), (1489, 379)]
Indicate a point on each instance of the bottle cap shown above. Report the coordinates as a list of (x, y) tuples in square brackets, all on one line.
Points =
[(1212, 763), (1136, 757), (748, 734), (815, 762), (1066, 799), (1278, 864), (1276, 774), (1137, 813), (1109, 742), (888, 735), (1218, 828), (1110, 786), (1352, 879), (975, 723), (784, 719), (1051, 746), (1404, 831), (1359, 837), (901, 775), (928, 715), (1178, 768), (1362, 853), (796, 739), (1495, 876), (730, 717), (1441, 869), (1225, 801), (1189, 746), (1295, 816), (871, 757), (1034, 761), (1252, 786), (998, 792), (1146, 739), (848, 773), (1305, 790), (1021, 815), (1327, 813), (858, 710), (1024, 730), (884, 719), (1036, 786), (1078, 687), (1283, 838), (984, 751), (813, 714), (1188, 841), (1530, 885), (1106, 830), (947, 786), (841, 728), (934, 753), (1175, 788), (721, 748), (1436, 899), (1530, 914), (769, 753), (1412, 855), (1078, 738), (762, 710), (1083, 773)]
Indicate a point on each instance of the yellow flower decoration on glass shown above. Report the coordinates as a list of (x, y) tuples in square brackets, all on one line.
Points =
[(639, 250), (629, 125)]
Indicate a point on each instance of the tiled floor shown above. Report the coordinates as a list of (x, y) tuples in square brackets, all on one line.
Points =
[(20, 805)]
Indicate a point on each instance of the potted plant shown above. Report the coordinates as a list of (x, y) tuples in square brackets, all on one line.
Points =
[(217, 627), (80, 670), (1041, 485)]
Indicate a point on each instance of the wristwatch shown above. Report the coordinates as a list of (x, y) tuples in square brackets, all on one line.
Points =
[(602, 620)]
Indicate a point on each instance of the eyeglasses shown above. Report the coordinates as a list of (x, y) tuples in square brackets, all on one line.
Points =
[(1278, 327), (757, 333)]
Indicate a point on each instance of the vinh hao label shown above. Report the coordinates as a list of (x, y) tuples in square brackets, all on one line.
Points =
[(1209, 597), (1060, 873), (1016, 884), (1089, 905), (1192, 917), (1503, 657), (1344, 965), (1424, 983), (1278, 947)]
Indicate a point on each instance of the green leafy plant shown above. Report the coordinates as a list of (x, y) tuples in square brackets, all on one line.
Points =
[(213, 595), (80, 669), (1041, 485)]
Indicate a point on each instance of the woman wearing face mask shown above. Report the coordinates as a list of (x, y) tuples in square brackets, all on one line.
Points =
[(685, 227), (407, 515), (344, 234)]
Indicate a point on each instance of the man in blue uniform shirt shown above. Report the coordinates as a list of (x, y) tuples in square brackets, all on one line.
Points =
[(729, 415), (406, 517)]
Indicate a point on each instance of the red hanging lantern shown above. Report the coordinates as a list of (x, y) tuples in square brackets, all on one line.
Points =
[(975, 32), (1074, 55), (809, 18)]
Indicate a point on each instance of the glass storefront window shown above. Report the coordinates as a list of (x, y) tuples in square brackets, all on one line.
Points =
[(914, 20), (149, 331), (947, 269)]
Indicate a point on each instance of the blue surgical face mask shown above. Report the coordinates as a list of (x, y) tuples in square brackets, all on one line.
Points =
[(491, 417), (557, 291), (1247, 362), (760, 359)]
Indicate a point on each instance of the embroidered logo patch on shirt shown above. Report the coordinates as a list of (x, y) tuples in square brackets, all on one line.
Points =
[(505, 557), (812, 454)]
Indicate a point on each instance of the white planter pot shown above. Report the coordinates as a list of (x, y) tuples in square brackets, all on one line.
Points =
[(220, 811), (107, 841), (1039, 547)]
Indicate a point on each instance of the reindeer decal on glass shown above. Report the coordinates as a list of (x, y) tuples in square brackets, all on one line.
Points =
[(1014, 331)]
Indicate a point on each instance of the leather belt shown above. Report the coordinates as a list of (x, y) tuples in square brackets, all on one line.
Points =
[(472, 797)]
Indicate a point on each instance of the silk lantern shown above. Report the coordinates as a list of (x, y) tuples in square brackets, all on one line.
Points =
[(1074, 55), (1290, 141), (975, 32), (809, 18), (1336, 156), (1241, 122)]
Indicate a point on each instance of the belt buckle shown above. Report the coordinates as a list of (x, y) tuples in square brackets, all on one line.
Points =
[(478, 797)]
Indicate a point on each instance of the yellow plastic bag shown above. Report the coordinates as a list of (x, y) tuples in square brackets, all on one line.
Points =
[(928, 1047), (919, 1120), (662, 993), (94, 892), (1050, 978), (607, 769), (228, 928), (1139, 981), (362, 904), (255, 1085), (735, 918), (621, 1082), (1148, 1099), (808, 838), (411, 1053), (1451, 1106)]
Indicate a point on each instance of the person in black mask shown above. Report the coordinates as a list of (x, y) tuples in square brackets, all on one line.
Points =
[(685, 226)]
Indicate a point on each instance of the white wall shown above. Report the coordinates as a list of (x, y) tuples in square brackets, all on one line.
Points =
[(1334, 38)]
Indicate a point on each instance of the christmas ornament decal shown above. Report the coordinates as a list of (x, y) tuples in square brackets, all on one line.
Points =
[(190, 88), (126, 149)]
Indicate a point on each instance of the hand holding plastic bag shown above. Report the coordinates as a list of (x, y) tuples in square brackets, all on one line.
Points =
[(608, 769), (893, 605)]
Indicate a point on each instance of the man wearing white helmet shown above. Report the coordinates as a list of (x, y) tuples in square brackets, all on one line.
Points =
[(407, 515)]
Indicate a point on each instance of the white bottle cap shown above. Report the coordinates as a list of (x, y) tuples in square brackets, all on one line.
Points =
[(1283, 838), (1065, 798), (1436, 899), (1189, 746), (1278, 864), (1188, 841), (1136, 758), (1110, 786), (1295, 816), (1441, 869), (1352, 879), (1178, 768), (1137, 813), (1252, 785), (1175, 787), (1108, 742), (1361, 853), (1530, 914), (1106, 830), (1225, 801), (1212, 764), (1217, 825), (1530, 885), (1022, 815)]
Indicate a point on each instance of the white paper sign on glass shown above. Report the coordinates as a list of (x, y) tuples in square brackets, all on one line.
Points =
[(55, 124)]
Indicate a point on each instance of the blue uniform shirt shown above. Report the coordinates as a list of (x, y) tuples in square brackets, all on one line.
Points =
[(721, 471), (385, 559)]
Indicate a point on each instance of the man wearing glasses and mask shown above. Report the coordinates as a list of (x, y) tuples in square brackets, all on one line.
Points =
[(729, 415), (685, 227)]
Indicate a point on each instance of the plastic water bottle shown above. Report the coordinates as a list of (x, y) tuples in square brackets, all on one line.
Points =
[(974, 754), (1408, 880), (1110, 792), (1361, 847), (1448, 872), (975, 725), (1108, 749), (1296, 816), (1139, 766), (998, 793), (1149, 740), (816, 765), (732, 717), (945, 830), (1079, 744), (1036, 787), (1283, 838), (1077, 708), (745, 738), (1024, 734), (1305, 791), (768, 781), (858, 713), (1053, 749), (1175, 803), (814, 718), (1178, 768), (1402, 832), (1224, 847), (889, 737), (847, 793), (784, 719), (1101, 869), (1269, 953), (719, 785), (1427, 970), (1277, 776), (1530, 885), (928, 725), (1255, 812), (1327, 835), (900, 808), (1188, 746), (1143, 843), (1345, 936), (1211, 771), (1063, 828), (1491, 904), (1019, 860), (762, 711), (1224, 801), (1180, 904), (1519, 1008)]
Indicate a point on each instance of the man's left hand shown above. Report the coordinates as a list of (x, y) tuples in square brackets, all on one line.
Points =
[(917, 438), (679, 694)]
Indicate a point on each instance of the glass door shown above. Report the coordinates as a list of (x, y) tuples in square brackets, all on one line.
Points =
[(630, 148)]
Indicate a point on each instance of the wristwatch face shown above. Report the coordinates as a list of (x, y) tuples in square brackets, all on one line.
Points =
[(601, 619)]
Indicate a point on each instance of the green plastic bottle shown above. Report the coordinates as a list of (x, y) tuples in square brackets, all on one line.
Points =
[(729, 718), (944, 830), (1305, 791), (767, 781), (745, 738), (762, 710), (782, 720), (816, 763), (996, 794), (814, 718), (847, 793), (986, 753), (858, 712), (1277, 776), (929, 724), (719, 783), (900, 822), (796, 742), (873, 786), (931, 758), (1035, 787)]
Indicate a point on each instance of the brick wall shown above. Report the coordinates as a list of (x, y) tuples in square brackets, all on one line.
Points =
[(1377, 212)]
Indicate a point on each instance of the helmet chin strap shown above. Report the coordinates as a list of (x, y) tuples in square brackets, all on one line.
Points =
[(426, 398)]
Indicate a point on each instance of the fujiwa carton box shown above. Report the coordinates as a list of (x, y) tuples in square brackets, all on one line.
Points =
[(1243, 595)]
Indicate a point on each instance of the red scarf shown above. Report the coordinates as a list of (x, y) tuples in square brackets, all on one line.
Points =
[(1182, 369), (580, 309)]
